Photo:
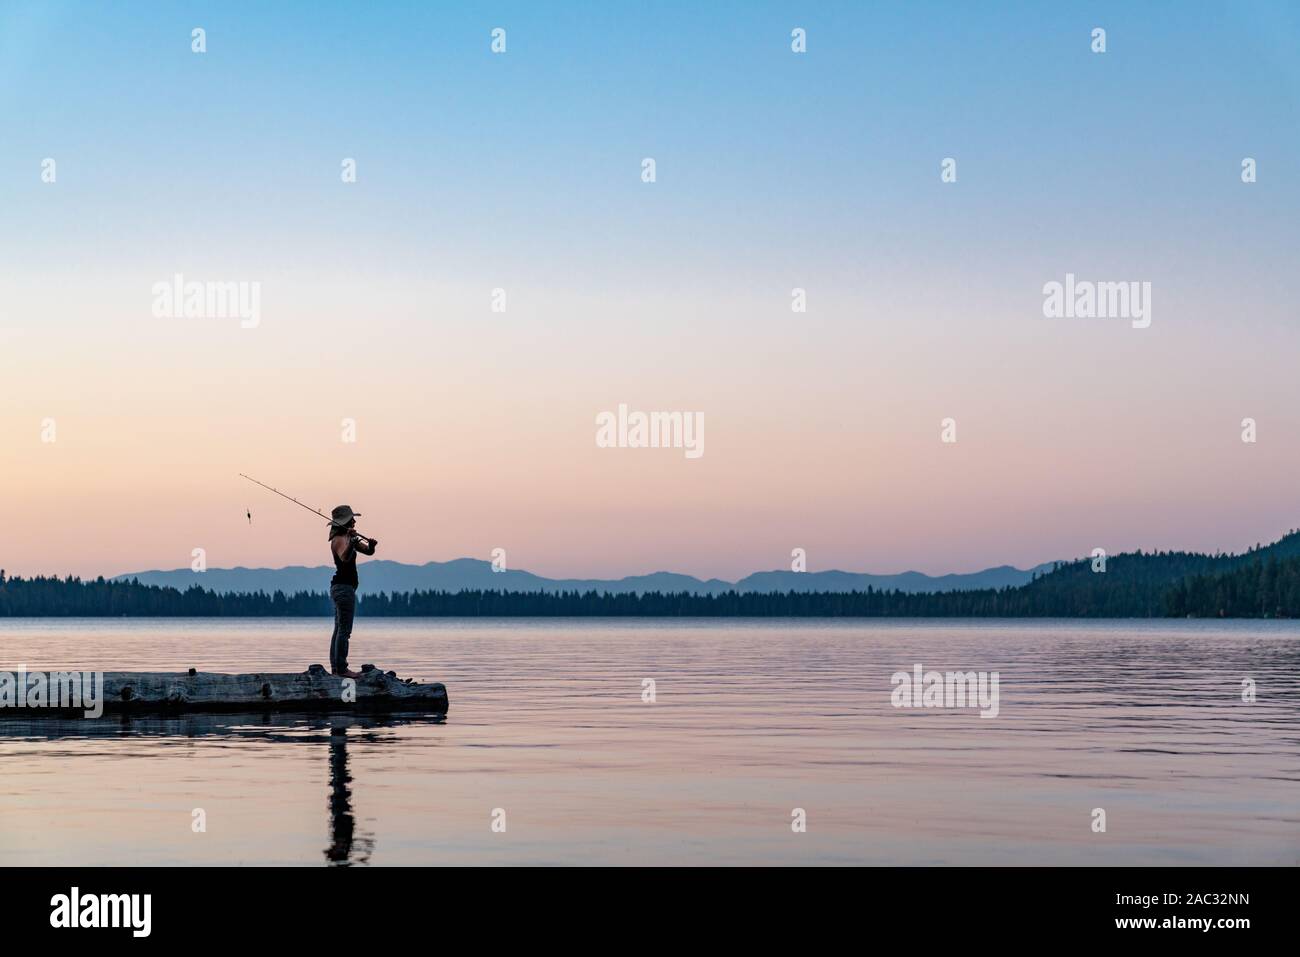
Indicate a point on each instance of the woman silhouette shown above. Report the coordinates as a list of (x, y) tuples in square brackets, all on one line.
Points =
[(345, 542)]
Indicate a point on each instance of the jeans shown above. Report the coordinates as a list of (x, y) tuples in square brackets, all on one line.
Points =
[(345, 607)]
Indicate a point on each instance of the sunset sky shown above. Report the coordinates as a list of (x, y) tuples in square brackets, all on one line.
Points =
[(522, 171)]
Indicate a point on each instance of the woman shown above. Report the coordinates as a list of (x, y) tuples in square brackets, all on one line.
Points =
[(344, 545)]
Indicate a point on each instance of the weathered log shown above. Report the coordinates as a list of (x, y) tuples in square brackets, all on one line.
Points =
[(313, 690)]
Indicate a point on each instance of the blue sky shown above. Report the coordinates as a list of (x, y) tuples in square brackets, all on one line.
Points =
[(775, 170), (770, 153)]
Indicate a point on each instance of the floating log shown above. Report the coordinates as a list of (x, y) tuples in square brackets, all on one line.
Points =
[(313, 690)]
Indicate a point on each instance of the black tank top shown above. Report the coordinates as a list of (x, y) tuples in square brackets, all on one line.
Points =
[(345, 569)]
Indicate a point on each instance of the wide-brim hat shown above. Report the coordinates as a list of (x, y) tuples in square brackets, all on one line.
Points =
[(340, 516)]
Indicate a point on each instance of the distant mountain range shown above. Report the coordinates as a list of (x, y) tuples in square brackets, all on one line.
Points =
[(1262, 582), (469, 573)]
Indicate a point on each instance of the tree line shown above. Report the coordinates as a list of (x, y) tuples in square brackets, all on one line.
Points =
[(1262, 583)]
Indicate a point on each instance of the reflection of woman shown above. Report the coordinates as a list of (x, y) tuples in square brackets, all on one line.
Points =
[(341, 821), (344, 545)]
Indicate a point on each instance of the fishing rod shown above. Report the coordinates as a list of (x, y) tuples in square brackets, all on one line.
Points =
[(315, 511)]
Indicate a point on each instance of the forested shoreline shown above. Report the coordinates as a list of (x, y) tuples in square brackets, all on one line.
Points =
[(1263, 583)]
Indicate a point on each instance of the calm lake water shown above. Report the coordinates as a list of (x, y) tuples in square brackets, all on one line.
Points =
[(751, 720)]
